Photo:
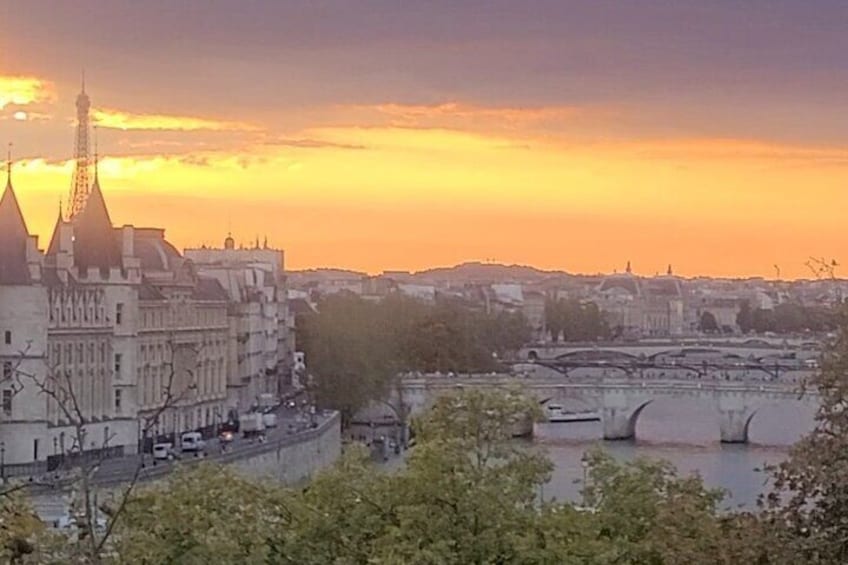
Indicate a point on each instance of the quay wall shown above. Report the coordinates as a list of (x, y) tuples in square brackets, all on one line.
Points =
[(296, 461)]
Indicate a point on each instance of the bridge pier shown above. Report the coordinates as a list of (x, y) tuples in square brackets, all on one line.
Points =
[(735, 415), (734, 425), (620, 421)]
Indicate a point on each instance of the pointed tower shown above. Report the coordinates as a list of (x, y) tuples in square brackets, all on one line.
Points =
[(80, 186), (669, 272), (95, 241), (13, 235), (628, 270)]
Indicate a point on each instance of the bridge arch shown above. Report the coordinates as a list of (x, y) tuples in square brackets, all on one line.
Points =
[(780, 422), (620, 422)]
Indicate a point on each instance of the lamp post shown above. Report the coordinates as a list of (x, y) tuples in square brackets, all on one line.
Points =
[(584, 462), (3, 461)]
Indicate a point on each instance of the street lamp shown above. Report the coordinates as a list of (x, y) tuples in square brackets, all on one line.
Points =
[(584, 462)]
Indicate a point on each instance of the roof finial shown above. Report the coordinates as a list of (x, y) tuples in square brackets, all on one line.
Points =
[(629, 270), (9, 165), (669, 272)]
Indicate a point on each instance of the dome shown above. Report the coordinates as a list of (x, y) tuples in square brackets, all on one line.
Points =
[(621, 284), (229, 243)]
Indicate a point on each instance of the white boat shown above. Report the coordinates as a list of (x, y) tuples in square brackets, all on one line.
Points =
[(557, 414)]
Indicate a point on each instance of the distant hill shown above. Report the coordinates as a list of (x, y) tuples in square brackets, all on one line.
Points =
[(486, 272), (326, 274)]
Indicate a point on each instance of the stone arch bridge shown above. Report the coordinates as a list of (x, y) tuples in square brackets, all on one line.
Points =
[(621, 401)]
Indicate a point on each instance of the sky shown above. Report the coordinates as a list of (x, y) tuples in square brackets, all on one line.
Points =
[(385, 135)]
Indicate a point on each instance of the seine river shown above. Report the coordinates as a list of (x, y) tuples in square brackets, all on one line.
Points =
[(685, 433)]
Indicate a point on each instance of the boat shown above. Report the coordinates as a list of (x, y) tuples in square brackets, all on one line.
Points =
[(557, 414)]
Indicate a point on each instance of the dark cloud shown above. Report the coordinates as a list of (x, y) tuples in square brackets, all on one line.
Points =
[(773, 69)]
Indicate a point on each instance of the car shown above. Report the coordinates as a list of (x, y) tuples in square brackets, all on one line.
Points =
[(163, 452), (192, 442)]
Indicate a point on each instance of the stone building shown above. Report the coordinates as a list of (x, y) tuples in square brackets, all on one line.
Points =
[(642, 307), (261, 336), (110, 329)]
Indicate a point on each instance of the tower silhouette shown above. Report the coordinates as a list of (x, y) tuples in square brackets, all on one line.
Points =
[(81, 185)]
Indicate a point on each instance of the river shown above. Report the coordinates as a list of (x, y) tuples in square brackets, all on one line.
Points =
[(685, 433)]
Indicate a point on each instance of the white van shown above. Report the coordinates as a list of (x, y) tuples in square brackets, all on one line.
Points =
[(192, 442)]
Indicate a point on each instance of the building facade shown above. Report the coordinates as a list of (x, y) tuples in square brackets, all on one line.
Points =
[(261, 332), (111, 337)]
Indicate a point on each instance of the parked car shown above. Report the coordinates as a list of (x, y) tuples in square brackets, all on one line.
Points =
[(269, 419), (163, 452), (192, 442)]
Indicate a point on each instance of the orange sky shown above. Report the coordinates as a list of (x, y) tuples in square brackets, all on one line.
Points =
[(580, 185)]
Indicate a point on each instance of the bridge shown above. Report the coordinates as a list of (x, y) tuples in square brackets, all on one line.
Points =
[(621, 401), (754, 347)]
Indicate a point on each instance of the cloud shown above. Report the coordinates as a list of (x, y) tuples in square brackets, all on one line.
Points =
[(456, 115), (729, 149), (117, 119), (24, 90), (307, 143)]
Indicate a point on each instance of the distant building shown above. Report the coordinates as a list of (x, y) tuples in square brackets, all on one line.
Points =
[(642, 307), (261, 332)]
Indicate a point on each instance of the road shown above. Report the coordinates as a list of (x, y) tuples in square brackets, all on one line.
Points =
[(293, 424)]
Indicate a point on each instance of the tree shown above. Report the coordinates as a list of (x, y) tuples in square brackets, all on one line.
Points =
[(744, 318), (355, 348), (809, 503), (348, 350), (468, 494), (575, 320), (208, 514), (553, 318), (708, 323)]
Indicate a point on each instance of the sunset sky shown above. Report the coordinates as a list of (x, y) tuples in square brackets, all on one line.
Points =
[(403, 135)]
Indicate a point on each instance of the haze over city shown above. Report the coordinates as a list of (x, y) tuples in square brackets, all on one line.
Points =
[(375, 136)]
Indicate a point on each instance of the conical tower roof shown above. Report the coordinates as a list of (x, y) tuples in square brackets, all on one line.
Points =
[(13, 237), (95, 244), (53, 248)]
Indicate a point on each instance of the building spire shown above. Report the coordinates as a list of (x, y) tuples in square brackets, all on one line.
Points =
[(669, 272), (628, 269)]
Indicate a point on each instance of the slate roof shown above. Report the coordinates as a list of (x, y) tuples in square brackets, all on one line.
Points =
[(95, 240), (209, 289), (13, 240)]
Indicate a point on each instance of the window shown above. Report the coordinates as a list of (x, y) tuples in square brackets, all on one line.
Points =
[(117, 400), (35, 450), (119, 313), (118, 364), (7, 402), (7, 337), (7, 369)]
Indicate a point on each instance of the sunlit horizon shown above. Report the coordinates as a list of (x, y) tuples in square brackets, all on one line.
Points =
[(452, 152)]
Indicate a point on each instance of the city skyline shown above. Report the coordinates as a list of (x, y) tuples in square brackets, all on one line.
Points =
[(379, 138)]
